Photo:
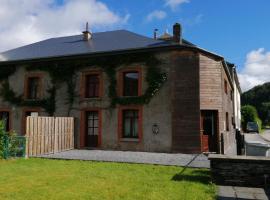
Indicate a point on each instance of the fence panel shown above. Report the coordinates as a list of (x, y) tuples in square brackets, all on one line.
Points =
[(49, 135)]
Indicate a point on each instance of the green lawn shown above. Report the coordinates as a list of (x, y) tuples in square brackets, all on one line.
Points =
[(59, 179)]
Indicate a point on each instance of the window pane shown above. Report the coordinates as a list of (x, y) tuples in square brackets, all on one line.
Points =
[(92, 86), (131, 83), (92, 123), (130, 124)]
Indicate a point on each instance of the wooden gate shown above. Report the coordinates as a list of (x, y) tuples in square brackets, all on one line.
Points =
[(49, 135)]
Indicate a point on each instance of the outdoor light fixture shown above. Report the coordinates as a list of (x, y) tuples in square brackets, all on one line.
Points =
[(155, 129)]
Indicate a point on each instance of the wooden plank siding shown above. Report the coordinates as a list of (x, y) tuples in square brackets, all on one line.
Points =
[(213, 96)]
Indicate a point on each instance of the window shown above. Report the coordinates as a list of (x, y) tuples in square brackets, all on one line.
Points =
[(225, 86), (227, 122), (231, 95), (4, 116), (92, 86), (130, 124), (92, 123), (33, 87), (131, 84)]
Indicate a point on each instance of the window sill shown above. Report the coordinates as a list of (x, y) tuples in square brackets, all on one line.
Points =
[(129, 140), (90, 99)]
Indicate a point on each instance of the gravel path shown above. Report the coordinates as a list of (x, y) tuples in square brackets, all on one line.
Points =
[(193, 160)]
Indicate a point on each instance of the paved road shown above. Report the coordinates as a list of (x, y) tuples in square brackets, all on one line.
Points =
[(177, 159), (266, 135)]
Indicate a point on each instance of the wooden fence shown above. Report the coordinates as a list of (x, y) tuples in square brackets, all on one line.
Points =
[(49, 135)]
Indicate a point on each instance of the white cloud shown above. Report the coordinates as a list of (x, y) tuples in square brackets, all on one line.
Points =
[(256, 70), (156, 14), (173, 4), (28, 21)]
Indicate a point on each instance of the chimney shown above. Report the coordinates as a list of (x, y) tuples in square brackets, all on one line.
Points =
[(177, 33), (155, 33), (86, 34)]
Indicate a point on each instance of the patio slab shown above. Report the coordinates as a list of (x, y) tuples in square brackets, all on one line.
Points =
[(176, 159)]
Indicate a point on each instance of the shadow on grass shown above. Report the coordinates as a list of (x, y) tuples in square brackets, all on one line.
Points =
[(198, 176)]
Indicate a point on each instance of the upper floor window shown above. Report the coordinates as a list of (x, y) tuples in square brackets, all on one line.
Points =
[(225, 87), (33, 88), (131, 84), (92, 84)]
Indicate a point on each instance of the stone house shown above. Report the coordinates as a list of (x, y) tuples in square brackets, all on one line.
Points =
[(125, 91)]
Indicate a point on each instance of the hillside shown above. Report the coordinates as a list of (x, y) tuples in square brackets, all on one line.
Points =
[(259, 97)]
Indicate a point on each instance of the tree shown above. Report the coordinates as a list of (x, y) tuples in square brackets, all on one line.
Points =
[(249, 114), (259, 96)]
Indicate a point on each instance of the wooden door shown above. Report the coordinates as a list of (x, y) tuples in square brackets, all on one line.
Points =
[(92, 128), (209, 131)]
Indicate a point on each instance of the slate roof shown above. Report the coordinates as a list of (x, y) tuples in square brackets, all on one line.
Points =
[(101, 42)]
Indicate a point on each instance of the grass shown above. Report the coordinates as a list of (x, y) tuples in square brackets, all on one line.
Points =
[(61, 179)]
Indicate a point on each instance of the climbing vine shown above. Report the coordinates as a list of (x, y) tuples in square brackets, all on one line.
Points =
[(65, 72)]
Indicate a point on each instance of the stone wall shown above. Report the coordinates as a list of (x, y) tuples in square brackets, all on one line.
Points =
[(247, 171)]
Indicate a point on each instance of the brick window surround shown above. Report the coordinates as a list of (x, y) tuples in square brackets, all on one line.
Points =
[(33, 77), (83, 126), (83, 84), (121, 80), (121, 110)]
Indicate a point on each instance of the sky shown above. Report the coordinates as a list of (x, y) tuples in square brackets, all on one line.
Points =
[(236, 29)]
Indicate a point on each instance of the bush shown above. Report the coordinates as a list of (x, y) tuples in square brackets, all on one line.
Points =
[(250, 114), (13, 146), (3, 133)]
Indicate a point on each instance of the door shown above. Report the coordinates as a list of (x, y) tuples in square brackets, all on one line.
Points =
[(209, 131), (92, 129)]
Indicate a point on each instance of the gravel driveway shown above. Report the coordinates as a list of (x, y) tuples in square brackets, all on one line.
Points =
[(192, 160)]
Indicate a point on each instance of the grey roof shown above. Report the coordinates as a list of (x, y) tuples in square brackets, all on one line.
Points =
[(75, 45)]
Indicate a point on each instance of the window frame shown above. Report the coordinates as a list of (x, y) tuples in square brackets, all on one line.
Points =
[(120, 81), (120, 123), (227, 121), (40, 86), (225, 86), (83, 84)]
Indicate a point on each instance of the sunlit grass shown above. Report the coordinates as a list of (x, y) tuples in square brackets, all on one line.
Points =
[(60, 179)]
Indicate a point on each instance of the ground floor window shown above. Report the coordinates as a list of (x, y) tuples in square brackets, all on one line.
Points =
[(4, 116), (130, 123)]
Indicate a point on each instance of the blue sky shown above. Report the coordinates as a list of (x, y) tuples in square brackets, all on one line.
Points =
[(236, 29), (231, 28)]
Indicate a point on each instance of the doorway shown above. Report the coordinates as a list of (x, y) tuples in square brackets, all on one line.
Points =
[(209, 130)]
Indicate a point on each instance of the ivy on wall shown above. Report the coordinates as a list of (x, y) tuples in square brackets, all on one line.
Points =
[(65, 72)]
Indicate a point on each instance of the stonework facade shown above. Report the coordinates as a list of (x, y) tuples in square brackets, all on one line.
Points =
[(171, 122)]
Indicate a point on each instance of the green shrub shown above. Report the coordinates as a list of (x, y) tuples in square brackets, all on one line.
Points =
[(250, 114)]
